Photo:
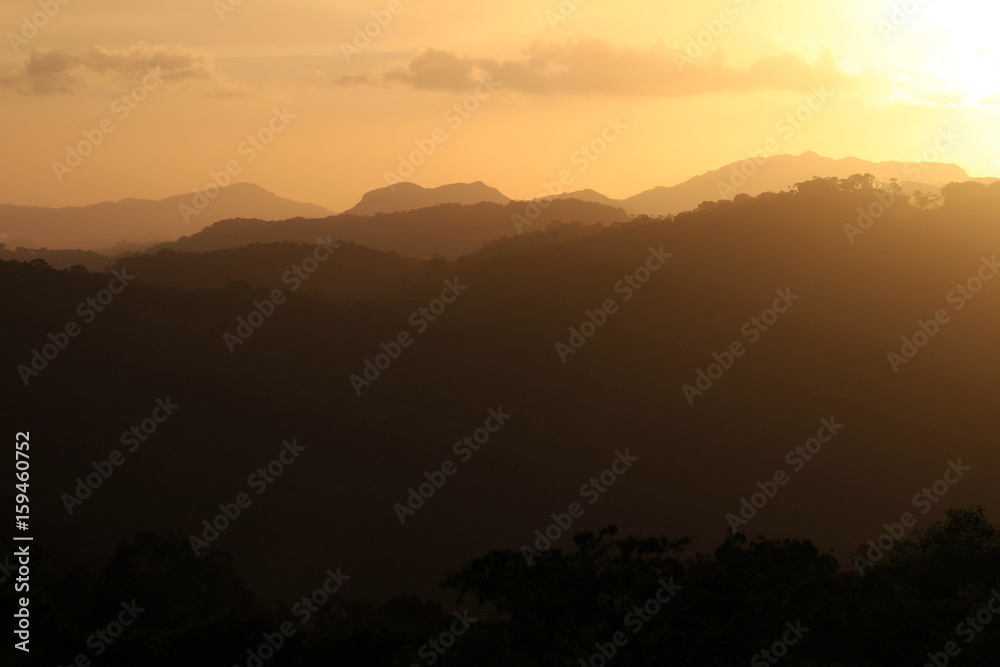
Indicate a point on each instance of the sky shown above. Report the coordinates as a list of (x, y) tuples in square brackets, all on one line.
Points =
[(321, 101)]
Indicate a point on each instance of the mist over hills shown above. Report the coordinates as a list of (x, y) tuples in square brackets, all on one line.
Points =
[(776, 173), (131, 225), (101, 226), (449, 230), (483, 334), (496, 346), (751, 177), (513, 340)]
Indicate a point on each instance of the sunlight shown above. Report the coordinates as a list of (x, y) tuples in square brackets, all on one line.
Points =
[(969, 57)]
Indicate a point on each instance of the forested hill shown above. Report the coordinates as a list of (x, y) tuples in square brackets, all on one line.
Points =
[(820, 313)]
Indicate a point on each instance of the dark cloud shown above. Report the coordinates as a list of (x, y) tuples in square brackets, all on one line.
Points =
[(54, 71)]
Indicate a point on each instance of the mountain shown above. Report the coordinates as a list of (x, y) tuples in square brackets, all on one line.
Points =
[(750, 176), (592, 196), (108, 226), (449, 230), (409, 196), (592, 344), (777, 173), (142, 220), (59, 259), (351, 272)]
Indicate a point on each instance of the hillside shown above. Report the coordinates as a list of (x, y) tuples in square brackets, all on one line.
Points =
[(142, 220), (776, 173), (501, 342), (409, 196), (350, 272), (449, 230)]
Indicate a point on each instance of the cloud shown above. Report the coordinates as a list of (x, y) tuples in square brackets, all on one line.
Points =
[(54, 71), (922, 86), (594, 67)]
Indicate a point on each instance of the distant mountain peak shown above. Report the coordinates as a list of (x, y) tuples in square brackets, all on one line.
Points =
[(407, 196), (247, 187), (780, 172), (104, 224)]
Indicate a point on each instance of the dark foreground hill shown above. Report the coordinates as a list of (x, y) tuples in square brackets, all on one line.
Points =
[(636, 601), (447, 230), (60, 259), (344, 273), (701, 359)]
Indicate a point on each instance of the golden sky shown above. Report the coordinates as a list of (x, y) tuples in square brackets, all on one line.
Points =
[(331, 114)]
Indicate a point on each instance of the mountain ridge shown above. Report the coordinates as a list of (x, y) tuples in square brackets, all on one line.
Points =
[(105, 224), (406, 196), (133, 220)]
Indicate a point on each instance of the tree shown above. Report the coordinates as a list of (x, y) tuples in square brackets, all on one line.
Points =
[(858, 183), (561, 604), (926, 199)]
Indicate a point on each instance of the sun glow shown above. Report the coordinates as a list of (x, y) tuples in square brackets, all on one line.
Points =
[(966, 48)]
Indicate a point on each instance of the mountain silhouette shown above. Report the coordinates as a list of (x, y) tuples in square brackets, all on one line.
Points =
[(593, 196), (449, 230), (409, 196), (622, 386), (778, 172), (103, 225), (358, 272), (110, 227)]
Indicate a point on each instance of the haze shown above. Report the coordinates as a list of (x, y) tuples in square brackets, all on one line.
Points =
[(561, 74)]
